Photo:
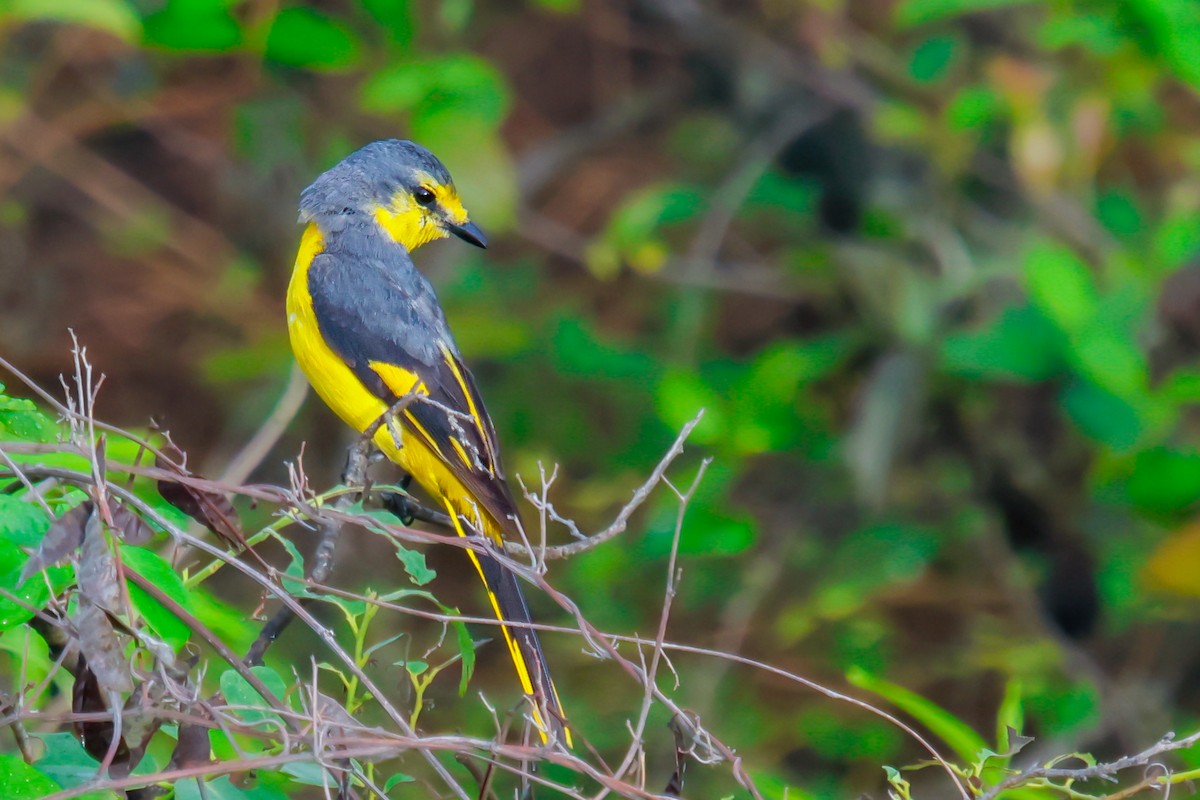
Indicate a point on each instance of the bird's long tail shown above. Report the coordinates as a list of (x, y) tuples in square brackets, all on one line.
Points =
[(508, 603)]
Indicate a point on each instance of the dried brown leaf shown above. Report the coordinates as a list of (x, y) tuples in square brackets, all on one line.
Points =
[(103, 649), (193, 748), (211, 509), (63, 537), (88, 697), (335, 715), (98, 567), (139, 728), (128, 525)]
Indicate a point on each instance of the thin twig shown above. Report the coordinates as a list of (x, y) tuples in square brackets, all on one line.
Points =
[(651, 671), (619, 524), (1103, 771)]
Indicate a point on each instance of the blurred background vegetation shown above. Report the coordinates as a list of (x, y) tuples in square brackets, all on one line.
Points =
[(930, 266)]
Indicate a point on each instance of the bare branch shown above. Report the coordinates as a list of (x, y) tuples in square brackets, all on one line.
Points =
[(619, 524), (651, 671), (1103, 771)]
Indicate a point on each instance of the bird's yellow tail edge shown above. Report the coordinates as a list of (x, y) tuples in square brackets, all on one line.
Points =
[(547, 708)]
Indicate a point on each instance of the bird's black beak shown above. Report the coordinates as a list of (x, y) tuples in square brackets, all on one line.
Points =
[(469, 232)]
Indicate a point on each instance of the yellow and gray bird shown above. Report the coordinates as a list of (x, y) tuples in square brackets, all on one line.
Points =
[(368, 331)]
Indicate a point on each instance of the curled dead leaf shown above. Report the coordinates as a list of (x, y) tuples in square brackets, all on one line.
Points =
[(62, 539), (98, 567), (211, 509), (103, 649), (88, 697)]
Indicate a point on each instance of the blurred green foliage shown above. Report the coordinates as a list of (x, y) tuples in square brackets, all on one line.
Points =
[(943, 326)]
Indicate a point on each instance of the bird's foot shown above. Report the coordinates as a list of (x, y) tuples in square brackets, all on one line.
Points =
[(401, 505)]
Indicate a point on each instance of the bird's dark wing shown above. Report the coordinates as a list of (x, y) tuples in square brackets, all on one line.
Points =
[(383, 318)]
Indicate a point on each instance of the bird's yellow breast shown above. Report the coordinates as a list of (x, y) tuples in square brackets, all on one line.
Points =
[(343, 392), (327, 372)]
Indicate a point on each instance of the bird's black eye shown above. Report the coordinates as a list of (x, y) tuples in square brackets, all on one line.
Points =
[(424, 196)]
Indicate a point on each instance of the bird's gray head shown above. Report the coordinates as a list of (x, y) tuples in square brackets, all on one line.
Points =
[(400, 185)]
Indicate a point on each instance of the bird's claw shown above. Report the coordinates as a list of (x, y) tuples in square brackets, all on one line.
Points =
[(401, 506)]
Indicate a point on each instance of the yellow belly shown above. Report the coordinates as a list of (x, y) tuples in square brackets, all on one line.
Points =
[(343, 392)]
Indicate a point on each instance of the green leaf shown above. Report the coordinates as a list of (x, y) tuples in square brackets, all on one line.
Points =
[(973, 108), (831, 735), (32, 594), (932, 57), (293, 575), (395, 17), (706, 532), (239, 692), (201, 26), (1020, 345), (114, 16), (162, 575), (636, 222), (577, 350), (396, 779), (962, 739), (1172, 28), (631, 235), (782, 197), (466, 649), (223, 789), (394, 89), (1064, 711), (22, 421), (237, 628), (900, 122), (29, 651), (1108, 356), (414, 565), (1102, 415), (1061, 286), (1098, 33), (303, 37), (460, 82), (682, 395), (1165, 481), (1010, 716), (21, 522), (1176, 240), (466, 645), (309, 773), (779, 370), (1119, 213), (921, 12), (69, 765), (766, 408), (711, 526), (19, 781)]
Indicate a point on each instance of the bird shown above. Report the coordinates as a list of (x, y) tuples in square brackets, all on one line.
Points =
[(367, 329)]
